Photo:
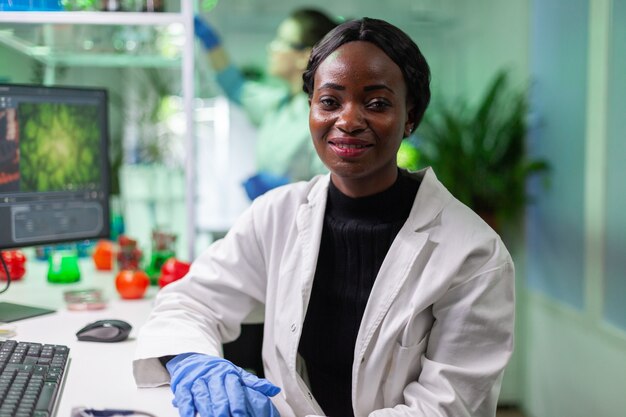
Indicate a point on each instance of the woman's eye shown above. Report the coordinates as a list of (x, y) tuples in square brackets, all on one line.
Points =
[(328, 102), (378, 105)]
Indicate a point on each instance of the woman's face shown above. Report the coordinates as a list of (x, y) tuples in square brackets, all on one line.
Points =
[(285, 58), (359, 116)]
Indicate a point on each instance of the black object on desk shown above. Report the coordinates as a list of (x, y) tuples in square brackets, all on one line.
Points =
[(12, 312), (107, 331), (31, 378)]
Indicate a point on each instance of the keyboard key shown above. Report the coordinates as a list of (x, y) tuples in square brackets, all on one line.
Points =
[(46, 397)]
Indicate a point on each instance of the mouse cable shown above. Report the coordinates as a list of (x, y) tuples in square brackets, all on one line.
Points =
[(6, 271)]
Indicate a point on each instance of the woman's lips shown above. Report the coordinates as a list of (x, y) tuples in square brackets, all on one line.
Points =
[(352, 149)]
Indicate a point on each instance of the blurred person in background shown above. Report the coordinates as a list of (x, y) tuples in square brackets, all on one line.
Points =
[(284, 151)]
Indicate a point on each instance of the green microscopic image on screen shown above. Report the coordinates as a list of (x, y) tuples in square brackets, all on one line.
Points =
[(58, 142)]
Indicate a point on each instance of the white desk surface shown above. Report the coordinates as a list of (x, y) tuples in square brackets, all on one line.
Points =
[(99, 374)]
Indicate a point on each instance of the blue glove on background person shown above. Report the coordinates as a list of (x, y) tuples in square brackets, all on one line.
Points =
[(206, 33), (214, 387), (262, 182)]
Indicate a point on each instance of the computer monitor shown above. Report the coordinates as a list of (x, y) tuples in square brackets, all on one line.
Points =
[(54, 165)]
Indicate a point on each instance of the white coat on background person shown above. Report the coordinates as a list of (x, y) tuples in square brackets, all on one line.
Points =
[(434, 338)]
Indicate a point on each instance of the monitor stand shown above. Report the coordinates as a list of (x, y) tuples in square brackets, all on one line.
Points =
[(13, 312)]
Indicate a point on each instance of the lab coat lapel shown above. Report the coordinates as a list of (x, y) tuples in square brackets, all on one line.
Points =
[(309, 222), (400, 259)]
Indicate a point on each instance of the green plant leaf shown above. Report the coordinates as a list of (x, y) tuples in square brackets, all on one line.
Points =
[(479, 153)]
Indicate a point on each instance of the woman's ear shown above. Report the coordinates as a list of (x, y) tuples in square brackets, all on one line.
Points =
[(409, 124)]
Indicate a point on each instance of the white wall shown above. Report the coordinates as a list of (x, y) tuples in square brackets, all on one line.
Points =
[(575, 362), (574, 365)]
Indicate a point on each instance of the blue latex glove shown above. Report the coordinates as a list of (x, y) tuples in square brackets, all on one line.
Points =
[(206, 33), (262, 182), (214, 387)]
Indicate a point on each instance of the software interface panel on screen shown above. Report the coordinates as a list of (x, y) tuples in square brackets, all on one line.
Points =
[(54, 169)]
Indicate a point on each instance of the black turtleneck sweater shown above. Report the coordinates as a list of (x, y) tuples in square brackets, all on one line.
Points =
[(356, 236)]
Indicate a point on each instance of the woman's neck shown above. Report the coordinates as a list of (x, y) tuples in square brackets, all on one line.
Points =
[(363, 187)]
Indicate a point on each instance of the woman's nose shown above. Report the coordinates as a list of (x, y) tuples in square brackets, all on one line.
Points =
[(351, 119)]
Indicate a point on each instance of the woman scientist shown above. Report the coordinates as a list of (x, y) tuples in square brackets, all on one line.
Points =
[(284, 151), (383, 294)]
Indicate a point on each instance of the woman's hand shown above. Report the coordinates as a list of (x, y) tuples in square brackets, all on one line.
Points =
[(214, 387)]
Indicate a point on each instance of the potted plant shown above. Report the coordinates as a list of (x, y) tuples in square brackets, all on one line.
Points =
[(479, 152)]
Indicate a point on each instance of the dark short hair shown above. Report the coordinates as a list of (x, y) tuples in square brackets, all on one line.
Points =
[(393, 42), (314, 25)]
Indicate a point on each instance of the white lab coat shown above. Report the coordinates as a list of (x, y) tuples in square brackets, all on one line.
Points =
[(436, 334), (284, 146)]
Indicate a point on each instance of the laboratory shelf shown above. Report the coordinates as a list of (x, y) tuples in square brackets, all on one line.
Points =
[(56, 55), (45, 48)]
